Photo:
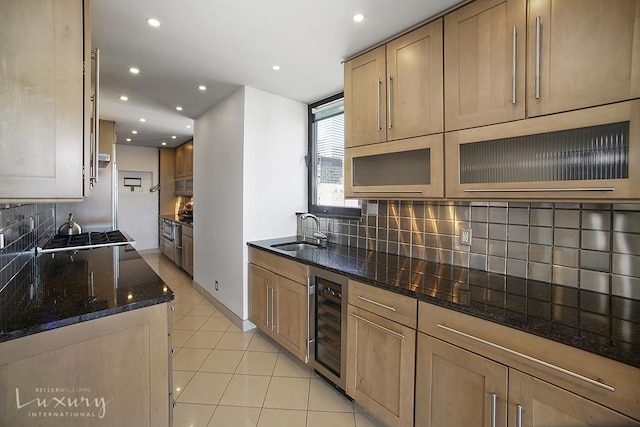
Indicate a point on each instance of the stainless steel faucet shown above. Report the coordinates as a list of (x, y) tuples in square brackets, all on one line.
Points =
[(322, 238)]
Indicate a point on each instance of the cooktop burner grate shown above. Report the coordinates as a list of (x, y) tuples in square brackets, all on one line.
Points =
[(86, 239)]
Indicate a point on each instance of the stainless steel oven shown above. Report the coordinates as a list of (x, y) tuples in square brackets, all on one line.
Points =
[(167, 230), (328, 325)]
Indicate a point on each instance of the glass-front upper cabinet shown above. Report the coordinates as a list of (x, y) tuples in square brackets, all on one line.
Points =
[(406, 169), (581, 155)]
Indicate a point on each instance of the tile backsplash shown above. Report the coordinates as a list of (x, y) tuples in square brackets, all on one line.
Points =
[(591, 246), (22, 228)]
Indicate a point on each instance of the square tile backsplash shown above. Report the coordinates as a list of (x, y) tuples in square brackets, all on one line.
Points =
[(588, 246), (22, 228)]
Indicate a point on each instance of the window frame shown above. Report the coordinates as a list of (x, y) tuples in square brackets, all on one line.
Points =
[(312, 153)]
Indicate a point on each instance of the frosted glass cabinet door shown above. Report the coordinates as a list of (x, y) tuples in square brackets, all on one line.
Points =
[(405, 169), (587, 154)]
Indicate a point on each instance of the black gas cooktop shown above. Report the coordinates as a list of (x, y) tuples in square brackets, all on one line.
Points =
[(86, 240)]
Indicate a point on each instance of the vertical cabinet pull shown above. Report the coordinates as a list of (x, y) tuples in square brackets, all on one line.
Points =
[(378, 105), (267, 303), (518, 415), (494, 408), (538, 40), (389, 100), (273, 319), (513, 66)]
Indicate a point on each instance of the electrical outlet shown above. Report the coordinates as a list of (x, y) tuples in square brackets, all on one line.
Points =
[(216, 286), (465, 236)]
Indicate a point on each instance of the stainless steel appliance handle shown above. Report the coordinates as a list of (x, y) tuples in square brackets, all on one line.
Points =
[(375, 325), (379, 304), (389, 100), (378, 107), (494, 408), (538, 42), (513, 66), (518, 415), (529, 358), (534, 190), (308, 320), (95, 143)]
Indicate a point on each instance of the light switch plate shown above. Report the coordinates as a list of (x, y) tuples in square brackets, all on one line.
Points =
[(465, 236)]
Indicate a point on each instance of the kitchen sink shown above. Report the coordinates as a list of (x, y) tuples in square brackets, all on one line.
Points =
[(296, 246)]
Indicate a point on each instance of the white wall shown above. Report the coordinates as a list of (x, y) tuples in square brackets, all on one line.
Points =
[(249, 179), (138, 210)]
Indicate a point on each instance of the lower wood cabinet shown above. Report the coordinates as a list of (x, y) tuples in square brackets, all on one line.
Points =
[(381, 346), (277, 304), (472, 372), (455, 387), (536, 403), (187, 249)]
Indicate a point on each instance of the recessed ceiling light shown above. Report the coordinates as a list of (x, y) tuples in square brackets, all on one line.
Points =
[(128, 139), (275, 67), (142, 119), (134, 132), (153, 22), (202, 87), (134, 70), (179, 108), (173, 137), (358, 17), (124, 98), (164, 143)]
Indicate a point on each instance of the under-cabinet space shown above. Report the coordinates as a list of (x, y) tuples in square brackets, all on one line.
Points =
[(396, 90), (405, 169), (580, 155)]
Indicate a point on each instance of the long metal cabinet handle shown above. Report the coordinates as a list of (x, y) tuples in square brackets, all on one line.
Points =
[(529, 358), (518, 415), (494, 408), (375, 325), (389, 100), (267, 304), (513, 66), (390, 191), (378, 105), (379, 304), (534, 190), (273, 319), (538, 41), (308, 319), (95, 143)]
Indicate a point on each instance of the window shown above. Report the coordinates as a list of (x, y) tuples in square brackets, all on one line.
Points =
[(326, 160)]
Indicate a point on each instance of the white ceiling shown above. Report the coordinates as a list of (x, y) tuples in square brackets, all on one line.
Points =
[(227, 44)]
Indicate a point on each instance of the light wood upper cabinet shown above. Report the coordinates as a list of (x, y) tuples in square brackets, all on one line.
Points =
[(455, 387), (484, 43), (536, 403), (395, 91), (589, 54), (180, 161), (365, 109), (43, 98)]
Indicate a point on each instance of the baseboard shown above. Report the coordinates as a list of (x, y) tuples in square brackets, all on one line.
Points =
[(243, 325), (149, 251)]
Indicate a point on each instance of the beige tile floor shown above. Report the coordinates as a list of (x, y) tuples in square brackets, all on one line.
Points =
[(223, 377)]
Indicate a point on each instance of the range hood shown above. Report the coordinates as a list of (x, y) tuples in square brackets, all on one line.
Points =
[(103, 160)]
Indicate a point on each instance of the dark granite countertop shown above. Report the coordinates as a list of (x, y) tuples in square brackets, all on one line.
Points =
[(76, 286), (598, 323)]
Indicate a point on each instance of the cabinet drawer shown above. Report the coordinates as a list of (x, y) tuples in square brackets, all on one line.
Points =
[(396, 307), (605, 381), (279, 265), (187, 231)]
